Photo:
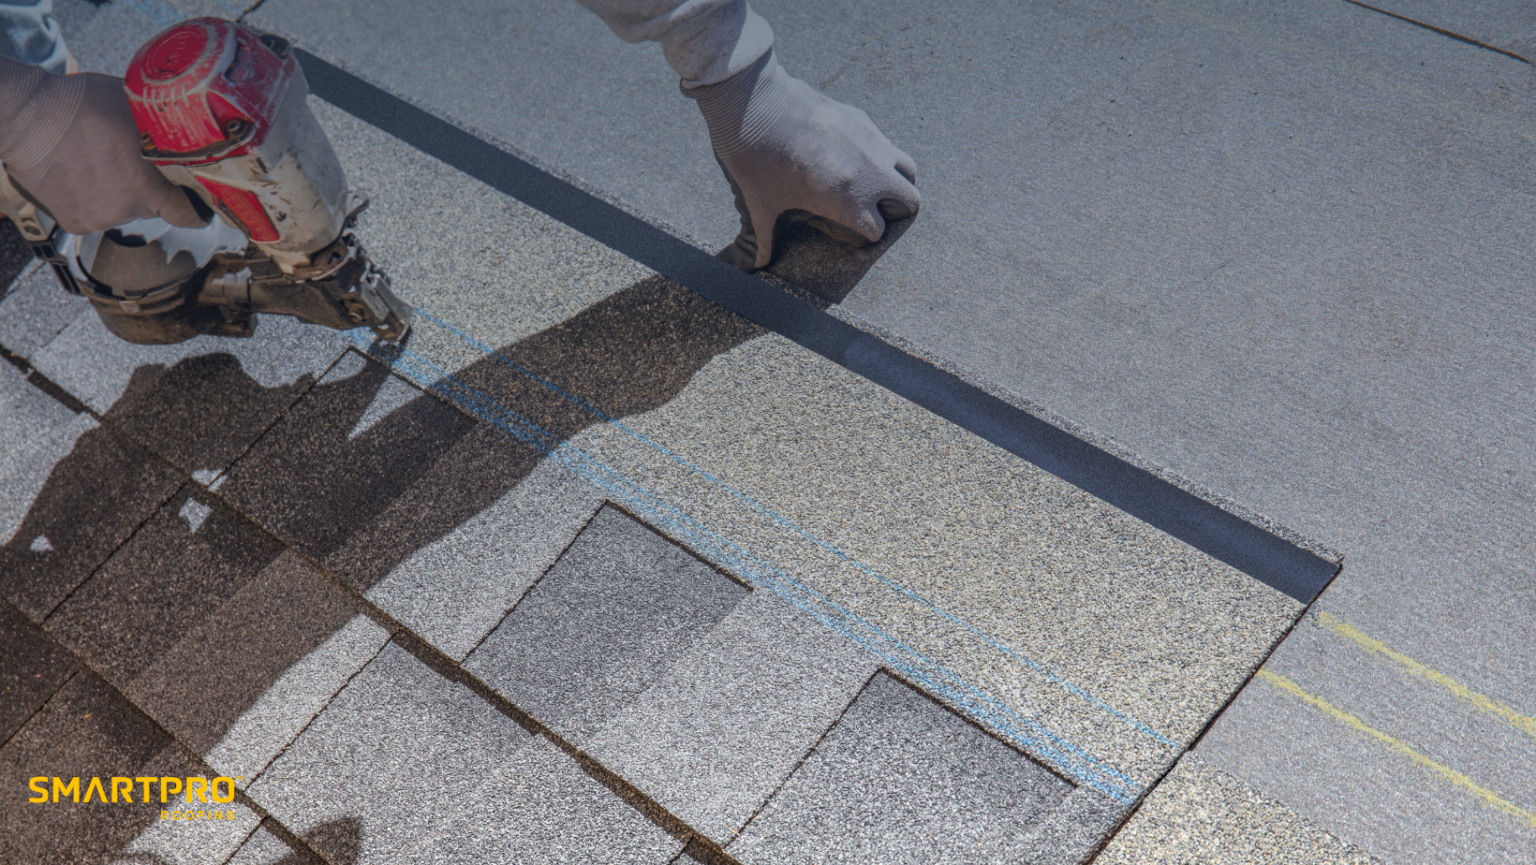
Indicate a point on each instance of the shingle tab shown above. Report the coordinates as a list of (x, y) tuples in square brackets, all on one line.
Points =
[(312, 482), (199, 403), (35, 310), (715, 736), (407, 766), (35, 666), (903, 779), (88, 730), (239, 684), (179, 568), (610, 617)]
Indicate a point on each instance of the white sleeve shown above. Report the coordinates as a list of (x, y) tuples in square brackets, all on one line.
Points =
[(32, 117), (706, 41)]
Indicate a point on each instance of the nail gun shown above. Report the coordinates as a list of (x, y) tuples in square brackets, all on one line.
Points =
[(223, 114)]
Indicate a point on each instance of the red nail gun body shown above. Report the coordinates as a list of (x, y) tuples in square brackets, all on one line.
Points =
[(223, 108), (223, 113)]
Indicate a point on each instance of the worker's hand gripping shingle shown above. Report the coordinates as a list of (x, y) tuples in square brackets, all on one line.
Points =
[(792, 153), (71, 143), (788, 151)]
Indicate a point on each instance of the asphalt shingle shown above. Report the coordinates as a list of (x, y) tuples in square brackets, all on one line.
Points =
[(200, 403), (35, 310), (405, 765), (88, 730), (321, 474), (454, 553), (180, 567), (35, 666), (715, 736), (243, 681), (611, 616), (71, 491), (903, 779), (265, 848)]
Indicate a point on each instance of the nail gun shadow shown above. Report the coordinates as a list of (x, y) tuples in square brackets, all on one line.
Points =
[(361, 473), (15, 255)]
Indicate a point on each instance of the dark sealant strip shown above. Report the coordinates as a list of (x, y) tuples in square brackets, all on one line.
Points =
[(1264, 556)]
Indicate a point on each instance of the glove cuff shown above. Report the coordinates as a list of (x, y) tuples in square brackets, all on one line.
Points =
[(705, 41), (36, 107), (742, 108), (718, 45)]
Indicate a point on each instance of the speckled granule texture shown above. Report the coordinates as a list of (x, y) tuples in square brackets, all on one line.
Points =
[(1198, 815)]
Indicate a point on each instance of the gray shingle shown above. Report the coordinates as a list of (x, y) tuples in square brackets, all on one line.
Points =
[(442, 520), (88, 730), (715, 736), (316, 477), (35, 310), (180, 567), (610, 617), (903, 779), (407, 766), (241, 683), (450, 573), (265, 848), (199, 403), (70, 492), (35, 666)]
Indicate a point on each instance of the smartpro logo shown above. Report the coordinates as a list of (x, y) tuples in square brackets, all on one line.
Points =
[(220, 790)]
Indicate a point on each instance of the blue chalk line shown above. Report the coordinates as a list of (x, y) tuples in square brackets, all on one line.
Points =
[(985, 708), (785, 522)]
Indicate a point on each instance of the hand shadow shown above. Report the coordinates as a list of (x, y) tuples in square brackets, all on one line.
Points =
[(820, 270), (358, 497)]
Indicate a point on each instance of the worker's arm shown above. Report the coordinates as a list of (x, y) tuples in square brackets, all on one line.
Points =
[(70, 143), (786, 149)]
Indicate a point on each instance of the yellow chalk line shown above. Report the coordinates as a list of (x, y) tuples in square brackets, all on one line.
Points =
[(1486, 704), (1443, 771)]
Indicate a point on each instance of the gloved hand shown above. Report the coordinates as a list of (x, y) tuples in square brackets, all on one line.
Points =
[(70, 142), (790, 152)]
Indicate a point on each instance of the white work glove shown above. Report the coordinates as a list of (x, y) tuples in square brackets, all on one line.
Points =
[(791, 153), (788, 151), (70, 142)]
